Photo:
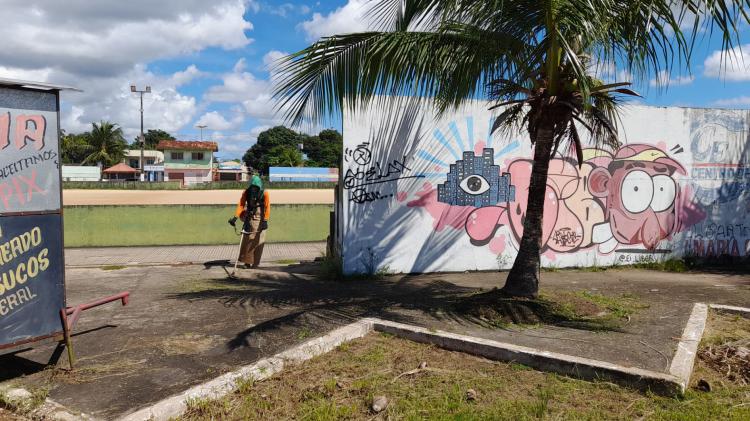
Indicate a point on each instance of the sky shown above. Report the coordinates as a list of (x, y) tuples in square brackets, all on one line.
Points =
[(208, 62)]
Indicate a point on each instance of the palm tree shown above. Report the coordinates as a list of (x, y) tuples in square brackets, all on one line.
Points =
[(533, 58), (106, 144)]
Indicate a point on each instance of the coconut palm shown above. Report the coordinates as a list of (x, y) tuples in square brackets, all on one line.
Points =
[(532, 58), (106, 144)]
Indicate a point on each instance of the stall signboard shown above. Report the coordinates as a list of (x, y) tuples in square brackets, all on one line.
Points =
[(32, 283)]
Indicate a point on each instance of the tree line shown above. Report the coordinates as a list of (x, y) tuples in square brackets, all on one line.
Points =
[(104, 144), (276, 147), (280, 147)]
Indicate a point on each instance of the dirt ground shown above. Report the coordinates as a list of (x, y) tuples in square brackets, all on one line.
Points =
[(188, 324), (190, 197)]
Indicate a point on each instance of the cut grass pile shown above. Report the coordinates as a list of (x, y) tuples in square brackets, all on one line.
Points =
[(343, 383), (580, 309), (725, 348)]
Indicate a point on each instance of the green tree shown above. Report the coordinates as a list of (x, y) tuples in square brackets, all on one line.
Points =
[(106, 143), (73, 147), (257, 157), (533, 58), (152, 137), (284, 156), (324, 150)]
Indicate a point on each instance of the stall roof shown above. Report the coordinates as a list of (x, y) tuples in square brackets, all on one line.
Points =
[(120, 168), (17, 83)]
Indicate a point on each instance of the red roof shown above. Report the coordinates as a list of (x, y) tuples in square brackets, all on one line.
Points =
[(183, 145), (120, 168)]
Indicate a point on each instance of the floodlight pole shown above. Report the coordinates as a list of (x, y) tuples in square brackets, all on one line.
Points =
[(201, 126), (142, 137)]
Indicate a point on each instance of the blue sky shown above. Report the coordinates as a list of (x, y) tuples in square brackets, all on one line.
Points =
[(207, 61)]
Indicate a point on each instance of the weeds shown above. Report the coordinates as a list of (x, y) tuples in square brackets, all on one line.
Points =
[(113, 267)]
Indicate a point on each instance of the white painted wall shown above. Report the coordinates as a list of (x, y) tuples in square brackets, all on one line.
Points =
[(81, 173), (688, 166)]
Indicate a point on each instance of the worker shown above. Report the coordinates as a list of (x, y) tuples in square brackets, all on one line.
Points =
[(253, 209)]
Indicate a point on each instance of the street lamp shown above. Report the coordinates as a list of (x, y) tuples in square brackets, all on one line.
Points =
[(201, 126), (143, 139)]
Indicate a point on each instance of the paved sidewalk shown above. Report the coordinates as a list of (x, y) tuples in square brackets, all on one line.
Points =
[(104, 256)]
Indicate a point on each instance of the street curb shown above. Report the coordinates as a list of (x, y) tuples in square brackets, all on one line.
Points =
[(578, 367)]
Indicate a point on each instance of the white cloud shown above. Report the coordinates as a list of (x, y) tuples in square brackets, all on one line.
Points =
[(271, 57), (237, 86), (346, 19), (103, 38), (236, 144), (663, 79), (733, 66), (284, 9), (186, 76), (253, 94), (215, 121), (110, 99), (739, 102), (103, 46)]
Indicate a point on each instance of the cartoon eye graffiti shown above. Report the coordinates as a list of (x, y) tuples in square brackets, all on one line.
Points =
[(664, 193), (474, 184), (637, 191)]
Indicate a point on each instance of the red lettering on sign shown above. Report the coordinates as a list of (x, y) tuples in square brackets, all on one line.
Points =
[(31, 185), (4, 130), (25, 134)]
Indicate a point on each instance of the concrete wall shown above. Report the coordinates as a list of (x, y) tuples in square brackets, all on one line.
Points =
[(423, 193), (81, 173)]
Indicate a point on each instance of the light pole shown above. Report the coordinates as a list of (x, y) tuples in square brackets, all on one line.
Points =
[(201, 126), (142, 138)]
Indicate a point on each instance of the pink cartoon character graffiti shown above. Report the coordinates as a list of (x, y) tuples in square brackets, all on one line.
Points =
[(640, 193)]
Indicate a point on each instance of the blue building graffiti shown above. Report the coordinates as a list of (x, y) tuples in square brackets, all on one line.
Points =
[(476, 181)]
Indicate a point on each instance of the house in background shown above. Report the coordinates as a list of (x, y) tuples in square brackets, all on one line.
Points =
[(188, 161), (153, 166)]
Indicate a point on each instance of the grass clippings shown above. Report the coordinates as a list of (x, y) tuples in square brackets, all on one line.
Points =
[(113, 267), (341, 386), (725, 348)]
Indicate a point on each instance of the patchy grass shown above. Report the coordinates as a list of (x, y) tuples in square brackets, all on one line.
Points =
[(304, 333), (38, 396), (581, 309), (342, 384), (331, 269), (201, 285), (286, 261), (113, 267)]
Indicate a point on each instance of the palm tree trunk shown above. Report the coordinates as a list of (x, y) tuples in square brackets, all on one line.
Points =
[(523, 279)]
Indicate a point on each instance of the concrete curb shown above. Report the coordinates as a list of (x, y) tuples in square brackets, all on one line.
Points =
[(579, 367), (687, 348), (742, 311), (174, 406)]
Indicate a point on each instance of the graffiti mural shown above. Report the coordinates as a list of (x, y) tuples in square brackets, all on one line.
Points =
[(677, 186)]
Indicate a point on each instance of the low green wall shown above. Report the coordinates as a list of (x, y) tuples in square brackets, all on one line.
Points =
[(99, 226)]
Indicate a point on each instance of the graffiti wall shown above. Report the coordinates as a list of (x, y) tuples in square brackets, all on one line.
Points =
[(423, 193)]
